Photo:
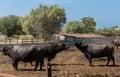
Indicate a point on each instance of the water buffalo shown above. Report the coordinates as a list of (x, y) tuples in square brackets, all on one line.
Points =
[(116, 42), (91, 52), (31, 53)]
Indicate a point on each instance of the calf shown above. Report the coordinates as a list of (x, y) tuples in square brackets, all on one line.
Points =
[(31, 53), (91, 52)]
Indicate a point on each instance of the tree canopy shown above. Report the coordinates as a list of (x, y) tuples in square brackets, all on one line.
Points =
[(87, 25), (112, 31), (74, 27), (11, 25), (44, 21)]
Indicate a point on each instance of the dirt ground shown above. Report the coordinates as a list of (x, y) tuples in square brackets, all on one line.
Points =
[(68, 63)]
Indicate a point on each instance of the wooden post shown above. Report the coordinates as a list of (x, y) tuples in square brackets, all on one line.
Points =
[(17, 40), (48, 70), (22, 40), (5, 40), (10, 41), (32, 40)]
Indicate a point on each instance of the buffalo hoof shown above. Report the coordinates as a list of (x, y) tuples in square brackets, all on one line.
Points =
[(90, 65), (35, 70), (107, 64), (41, 69), (16, 69), (113, 64)]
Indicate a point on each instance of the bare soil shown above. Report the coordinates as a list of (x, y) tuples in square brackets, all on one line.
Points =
[(68, 63)]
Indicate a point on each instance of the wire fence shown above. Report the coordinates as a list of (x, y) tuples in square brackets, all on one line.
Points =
[(29, 40), (92, 40), (96, 40)]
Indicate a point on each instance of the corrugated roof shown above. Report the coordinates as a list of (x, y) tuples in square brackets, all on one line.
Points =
[(84, 35)]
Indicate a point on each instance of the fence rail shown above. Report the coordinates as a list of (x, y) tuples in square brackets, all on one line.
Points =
[(24, 40), (28, 40), (96, 40)]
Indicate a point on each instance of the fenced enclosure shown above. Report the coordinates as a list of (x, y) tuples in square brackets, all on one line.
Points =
[(25, 39), (96, 40), (31, 40)]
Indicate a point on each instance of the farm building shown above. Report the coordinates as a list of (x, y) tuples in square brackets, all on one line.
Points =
[(76, 37)]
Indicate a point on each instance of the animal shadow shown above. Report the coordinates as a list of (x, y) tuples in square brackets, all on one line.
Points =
[(30, 70), (106, 66), (65, 64), (37, 70)]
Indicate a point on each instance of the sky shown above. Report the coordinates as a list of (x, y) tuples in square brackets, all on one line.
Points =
[(106, 13)]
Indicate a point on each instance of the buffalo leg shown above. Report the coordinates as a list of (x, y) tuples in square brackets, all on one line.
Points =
[(15, 64), (90, 62), (108, 61), (41, 64), (89, 59), (117, 47), (113, 59), (36, 64), (25, 64)]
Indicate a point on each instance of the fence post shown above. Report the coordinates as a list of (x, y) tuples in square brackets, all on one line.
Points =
[(32, 40), (22, 40), (5, 40), (10, 41), (48, 70)]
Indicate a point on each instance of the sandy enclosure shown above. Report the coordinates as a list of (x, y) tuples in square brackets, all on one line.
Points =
[(68, 63)]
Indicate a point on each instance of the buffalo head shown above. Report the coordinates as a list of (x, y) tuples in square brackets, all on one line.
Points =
[(56, 48), (7, 50), (81, 46)]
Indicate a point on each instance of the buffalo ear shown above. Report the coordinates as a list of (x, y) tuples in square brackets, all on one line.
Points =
[(5, 48), (11, 47), (80, 43), (87, 45)]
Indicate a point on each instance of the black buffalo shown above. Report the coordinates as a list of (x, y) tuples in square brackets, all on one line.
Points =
[(91, 52), (116, 42), (31, 53)]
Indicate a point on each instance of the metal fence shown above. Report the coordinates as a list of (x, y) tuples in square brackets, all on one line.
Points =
[(96, 40), (28, 40)]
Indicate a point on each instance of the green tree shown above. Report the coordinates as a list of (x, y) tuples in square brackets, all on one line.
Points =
[(112, 31), (89, 24), (10, 25), (44, 21), (74, 27)]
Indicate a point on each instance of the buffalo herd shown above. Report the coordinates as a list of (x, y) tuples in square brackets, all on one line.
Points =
[(30, 53), (38, 52)]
